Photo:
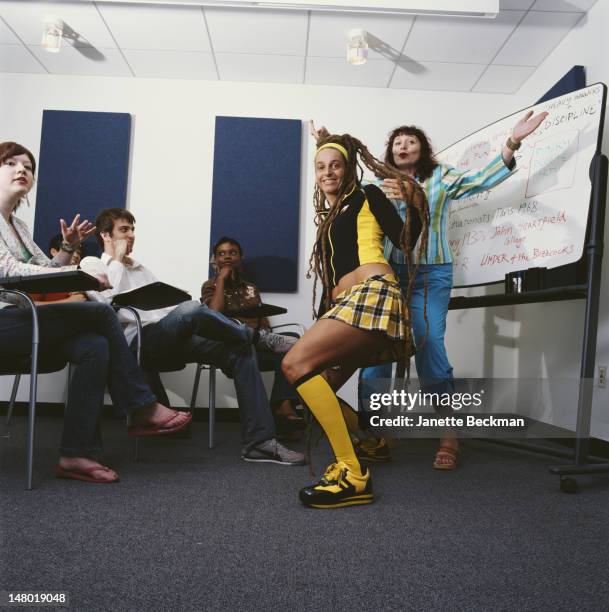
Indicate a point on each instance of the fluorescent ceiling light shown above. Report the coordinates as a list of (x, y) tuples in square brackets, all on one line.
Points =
[(456, 8)]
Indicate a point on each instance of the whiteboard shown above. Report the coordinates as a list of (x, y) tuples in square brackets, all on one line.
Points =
[(537, 217)]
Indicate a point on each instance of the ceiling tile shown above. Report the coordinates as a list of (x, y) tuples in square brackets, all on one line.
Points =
[(257, 32), (503, 79), (536, 36), (436, 75), (521, 5), (27, 19), (260, 68), (107, 62), (171, 64), (336, 71), (328, 33), (178, 28), (6, 36), (16, 58), (563, 5), (441, 39)]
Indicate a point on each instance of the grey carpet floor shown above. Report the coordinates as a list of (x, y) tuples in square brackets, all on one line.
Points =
[(188, 528)]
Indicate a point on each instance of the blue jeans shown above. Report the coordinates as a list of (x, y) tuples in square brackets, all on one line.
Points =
[(184, 336), (89, 336), (433, 368)]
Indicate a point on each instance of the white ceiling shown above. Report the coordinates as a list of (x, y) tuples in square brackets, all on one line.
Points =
[(186, 42)]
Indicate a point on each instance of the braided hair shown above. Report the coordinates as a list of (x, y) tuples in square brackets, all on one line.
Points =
[(325, 213)]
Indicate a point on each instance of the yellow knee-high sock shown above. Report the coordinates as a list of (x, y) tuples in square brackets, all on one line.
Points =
[(323, 403)]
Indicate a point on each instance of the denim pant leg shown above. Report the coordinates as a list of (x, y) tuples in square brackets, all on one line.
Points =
[(194, 319), (257, 424), (89, 355), (153, 379), (433, 368), (282, 389), (126, 382)]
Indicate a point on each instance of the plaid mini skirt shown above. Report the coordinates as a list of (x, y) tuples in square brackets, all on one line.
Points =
[(377, 304)]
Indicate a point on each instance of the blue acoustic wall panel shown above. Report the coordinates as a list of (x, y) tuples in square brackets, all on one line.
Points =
[(572, 80), (84, 167), (256, 196)]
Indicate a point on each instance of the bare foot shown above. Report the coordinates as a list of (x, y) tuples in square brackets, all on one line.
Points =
[(157, 414), (80, 464)]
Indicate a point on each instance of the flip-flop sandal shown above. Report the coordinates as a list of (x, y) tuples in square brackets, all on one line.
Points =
[(445, 451), (85, 474), (159, 429)]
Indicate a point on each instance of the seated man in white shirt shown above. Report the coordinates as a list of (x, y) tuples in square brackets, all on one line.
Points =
[(184, 333)]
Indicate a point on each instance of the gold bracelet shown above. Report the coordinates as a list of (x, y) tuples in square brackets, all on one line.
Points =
[(510, 143)]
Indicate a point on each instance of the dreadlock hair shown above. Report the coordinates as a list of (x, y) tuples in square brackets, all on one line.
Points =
[(325, 213), (427, 162)]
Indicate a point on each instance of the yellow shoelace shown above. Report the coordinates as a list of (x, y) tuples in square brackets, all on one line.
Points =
[(332, 473)]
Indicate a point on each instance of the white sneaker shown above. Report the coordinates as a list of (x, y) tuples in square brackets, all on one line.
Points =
[(277, 343)]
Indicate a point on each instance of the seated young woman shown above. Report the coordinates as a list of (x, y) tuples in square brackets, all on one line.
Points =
[(86, 334)]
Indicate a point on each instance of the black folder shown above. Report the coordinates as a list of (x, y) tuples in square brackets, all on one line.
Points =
[(257, 312), (152, 296)]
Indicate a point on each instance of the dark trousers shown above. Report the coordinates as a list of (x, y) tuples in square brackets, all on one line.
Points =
[(89, 336), (282, 389)]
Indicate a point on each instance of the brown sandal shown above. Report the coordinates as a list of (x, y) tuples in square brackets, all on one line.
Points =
[(446, 451)]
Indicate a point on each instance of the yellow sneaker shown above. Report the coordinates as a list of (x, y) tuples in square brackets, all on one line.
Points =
[(339, 487)]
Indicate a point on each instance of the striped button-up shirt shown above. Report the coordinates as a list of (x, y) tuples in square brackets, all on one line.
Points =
[(446, 184)]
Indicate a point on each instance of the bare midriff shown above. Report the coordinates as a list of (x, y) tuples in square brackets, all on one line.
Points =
[(359, 275)]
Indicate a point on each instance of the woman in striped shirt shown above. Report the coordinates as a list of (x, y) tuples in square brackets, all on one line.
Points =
[(408, 150)]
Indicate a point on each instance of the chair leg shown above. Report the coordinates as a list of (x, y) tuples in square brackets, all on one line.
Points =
[(195, 387), (11, 405), (30, 422), (69, 380), (212, 404)]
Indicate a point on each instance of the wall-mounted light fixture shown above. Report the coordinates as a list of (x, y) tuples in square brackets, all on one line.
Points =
[(52, 34), (357, 48)]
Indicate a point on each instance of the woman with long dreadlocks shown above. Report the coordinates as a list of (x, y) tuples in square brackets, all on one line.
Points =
[(365, 319)]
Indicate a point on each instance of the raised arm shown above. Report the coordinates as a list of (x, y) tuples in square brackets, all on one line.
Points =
[(73, 236), (525, 127)]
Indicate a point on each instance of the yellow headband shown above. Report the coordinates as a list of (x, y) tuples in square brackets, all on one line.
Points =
[(334, 145)]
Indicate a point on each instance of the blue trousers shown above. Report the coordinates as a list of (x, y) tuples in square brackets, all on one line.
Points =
[(433, 368), (185, 335), (90, 337)]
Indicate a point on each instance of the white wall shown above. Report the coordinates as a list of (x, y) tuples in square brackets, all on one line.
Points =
[(549, 336), (171, 175)]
